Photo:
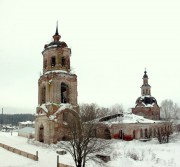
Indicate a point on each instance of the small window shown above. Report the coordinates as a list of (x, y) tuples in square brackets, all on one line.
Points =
[(53, 61)]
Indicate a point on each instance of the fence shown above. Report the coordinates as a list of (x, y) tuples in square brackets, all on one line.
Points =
[(60, 164), (20, 152)]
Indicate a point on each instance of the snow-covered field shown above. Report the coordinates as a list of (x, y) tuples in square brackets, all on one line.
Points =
[(124, 154)]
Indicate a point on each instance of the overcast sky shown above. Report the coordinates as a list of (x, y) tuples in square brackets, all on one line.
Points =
[(112, 42)]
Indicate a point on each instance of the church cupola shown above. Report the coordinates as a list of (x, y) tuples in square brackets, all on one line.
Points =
[(56, 55), (145, 88)]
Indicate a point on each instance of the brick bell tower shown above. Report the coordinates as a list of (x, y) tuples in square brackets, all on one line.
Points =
[(57, 92)]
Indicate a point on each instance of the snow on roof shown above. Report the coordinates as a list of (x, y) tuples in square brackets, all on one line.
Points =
[(56, 71), (62, 107), (128, 118)]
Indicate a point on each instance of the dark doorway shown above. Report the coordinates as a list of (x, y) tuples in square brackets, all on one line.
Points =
[(41, 134)]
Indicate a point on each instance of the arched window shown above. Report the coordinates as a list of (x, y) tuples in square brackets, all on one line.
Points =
[(43, 95), (53, 61), (64, 93)]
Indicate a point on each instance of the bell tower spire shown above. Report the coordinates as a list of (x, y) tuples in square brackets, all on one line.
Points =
[(145, 88), (56, 36)]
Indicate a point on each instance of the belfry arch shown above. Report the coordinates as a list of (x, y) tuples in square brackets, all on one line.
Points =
[(41, 133), (64, 93)]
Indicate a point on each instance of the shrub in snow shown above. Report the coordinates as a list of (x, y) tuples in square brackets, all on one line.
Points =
[(133, 155)]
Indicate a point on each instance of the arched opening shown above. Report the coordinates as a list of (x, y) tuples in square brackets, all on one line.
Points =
[(107, 134), (41, 133), (134, 134), (43, 95), (53, 61), (64, 93)]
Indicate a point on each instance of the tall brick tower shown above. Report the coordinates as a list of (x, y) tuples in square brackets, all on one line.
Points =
[(57, 92), (146, 105)]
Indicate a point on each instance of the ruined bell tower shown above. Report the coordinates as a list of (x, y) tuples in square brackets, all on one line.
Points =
[(57, 91)]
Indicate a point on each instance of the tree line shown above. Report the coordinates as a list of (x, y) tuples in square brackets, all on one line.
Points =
[(14, 119)]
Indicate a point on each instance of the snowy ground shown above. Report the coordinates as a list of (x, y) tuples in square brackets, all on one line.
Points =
[(124, 154)]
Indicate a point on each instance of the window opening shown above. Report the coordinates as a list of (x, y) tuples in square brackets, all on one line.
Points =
[(53, 61), (64, 93)]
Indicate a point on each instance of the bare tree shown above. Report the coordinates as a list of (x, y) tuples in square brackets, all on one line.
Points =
[(116, 109), (163, 134), (169, 110), (82, 143), (91, 111)]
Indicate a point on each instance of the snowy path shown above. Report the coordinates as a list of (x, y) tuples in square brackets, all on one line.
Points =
[(47, 156)]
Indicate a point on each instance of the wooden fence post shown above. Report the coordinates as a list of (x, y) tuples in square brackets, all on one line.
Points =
[(57, 160), (36, 155)]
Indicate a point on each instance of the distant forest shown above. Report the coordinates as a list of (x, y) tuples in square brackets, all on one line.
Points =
[(14, 119)]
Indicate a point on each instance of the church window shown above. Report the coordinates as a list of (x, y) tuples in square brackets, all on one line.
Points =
[(63, 61), (43, 95), (64, 93), (53, 61)]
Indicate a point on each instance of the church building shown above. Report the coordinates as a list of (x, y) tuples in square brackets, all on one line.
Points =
[(57, 92), (146, 105)]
